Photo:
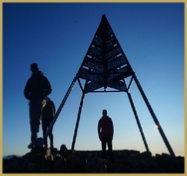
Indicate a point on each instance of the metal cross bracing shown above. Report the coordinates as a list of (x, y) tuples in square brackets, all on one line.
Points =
[(105, 65)]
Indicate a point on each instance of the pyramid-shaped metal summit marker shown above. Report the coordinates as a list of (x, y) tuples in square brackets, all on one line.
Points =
[(106, 66)]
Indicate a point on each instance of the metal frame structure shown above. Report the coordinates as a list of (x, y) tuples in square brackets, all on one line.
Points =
[(106, 65)]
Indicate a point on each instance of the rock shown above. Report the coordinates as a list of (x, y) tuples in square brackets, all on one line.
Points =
[(59, 165), (74, 164), (121, 167), (65, 161), (169, 164), (96, 166), (64, 151), (146, 155)]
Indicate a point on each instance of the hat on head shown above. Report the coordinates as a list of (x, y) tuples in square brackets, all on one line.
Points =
[(34, 67)]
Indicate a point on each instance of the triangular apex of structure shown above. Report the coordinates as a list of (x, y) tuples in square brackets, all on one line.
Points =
[(105, 64)]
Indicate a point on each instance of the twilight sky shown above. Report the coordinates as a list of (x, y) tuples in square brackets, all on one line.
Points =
[(57, 36)]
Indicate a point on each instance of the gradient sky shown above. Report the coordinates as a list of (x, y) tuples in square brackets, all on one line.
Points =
[(57, 36)]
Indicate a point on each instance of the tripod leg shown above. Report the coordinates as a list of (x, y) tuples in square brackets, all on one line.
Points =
[(154, 117), (138, 122), (77, 123), (59, 109)]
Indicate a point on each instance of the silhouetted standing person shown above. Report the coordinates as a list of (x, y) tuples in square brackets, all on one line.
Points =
[(47, 115), (106, 132), (36, 88)]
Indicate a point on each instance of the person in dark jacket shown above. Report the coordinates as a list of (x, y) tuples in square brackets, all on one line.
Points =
[(37, 87), (47, 115), (105, 133)]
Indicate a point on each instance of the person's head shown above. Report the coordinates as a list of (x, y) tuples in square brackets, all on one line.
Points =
[(34, 67), (104, 112)]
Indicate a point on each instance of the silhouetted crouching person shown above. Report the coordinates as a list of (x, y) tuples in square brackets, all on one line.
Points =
[(36, 88), (48, 112), (105, 132)]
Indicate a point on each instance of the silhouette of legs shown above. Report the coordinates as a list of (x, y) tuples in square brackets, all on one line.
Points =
[(34, 112), (45, 126), (107, 141), (103, 143)]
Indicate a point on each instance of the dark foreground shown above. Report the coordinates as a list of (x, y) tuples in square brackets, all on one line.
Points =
[(64, 161)]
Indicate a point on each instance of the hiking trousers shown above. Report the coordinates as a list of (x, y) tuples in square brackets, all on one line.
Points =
[(35, 113), (107, 141)]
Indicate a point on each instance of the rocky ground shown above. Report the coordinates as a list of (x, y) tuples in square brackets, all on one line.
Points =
[(65, 161)]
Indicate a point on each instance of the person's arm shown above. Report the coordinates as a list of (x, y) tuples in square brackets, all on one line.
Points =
[(27, 91), (112, 130), (99, 129)]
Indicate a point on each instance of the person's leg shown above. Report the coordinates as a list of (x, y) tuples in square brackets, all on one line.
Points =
[(109, 141), (34, 112), (33, 134), (103, 143), (44, 129), (51, 138)]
